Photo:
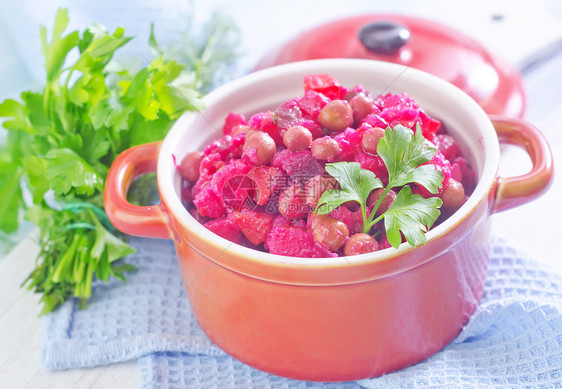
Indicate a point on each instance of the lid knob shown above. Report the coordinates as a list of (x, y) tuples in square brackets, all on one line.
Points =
[(384, 37)]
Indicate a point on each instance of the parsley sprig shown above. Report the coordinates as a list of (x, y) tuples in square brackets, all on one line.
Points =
[(62, 139), (405, 155)]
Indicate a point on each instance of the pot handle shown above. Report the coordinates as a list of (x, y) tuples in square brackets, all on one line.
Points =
[(514, 191), (145, 221)]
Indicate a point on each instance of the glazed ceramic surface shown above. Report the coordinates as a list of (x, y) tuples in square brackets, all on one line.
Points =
[(414, 42), (333, 319)]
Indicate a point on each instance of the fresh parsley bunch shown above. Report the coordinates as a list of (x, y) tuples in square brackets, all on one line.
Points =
[(404, 154), (62, 140)]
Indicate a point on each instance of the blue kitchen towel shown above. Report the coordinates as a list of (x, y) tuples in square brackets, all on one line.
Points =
[(514, 339), (125, 320)]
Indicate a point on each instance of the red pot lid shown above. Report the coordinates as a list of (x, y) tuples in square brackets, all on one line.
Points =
[(417, 43)]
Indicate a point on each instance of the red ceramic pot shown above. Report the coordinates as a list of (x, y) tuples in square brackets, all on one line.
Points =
[(333, 319)]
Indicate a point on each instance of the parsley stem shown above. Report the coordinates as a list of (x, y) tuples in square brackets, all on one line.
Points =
[(70, 71), (66, 261), (365, 217), (370, 223)]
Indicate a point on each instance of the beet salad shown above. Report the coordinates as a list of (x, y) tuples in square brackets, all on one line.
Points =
[(334, 172)]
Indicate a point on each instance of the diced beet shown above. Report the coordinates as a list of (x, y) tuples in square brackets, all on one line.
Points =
[(228, 147), (287, 114), (350, 144), (357, 89), (363, 128), (404, 123), (300, 165), (326, 84), (358, 220), (314, 128), (251, 155), (379, 101), (210, 164), (373, 163), (239, 194), (395, 116), (232, 185), (440, 163), (300, 223), (208, 203), (265, 121), (311, 104), (218, 145), (292, 202), (225, 227), (236, 147), (443, 164), (295, 242), (280, 221), (469, 179), (232, 120), (254, 224), (402, 109), (375, 121), (266, 180), (401, 100), (456, 172), (236, 167), (322, 251), (199, 185), (429, 126), (348, 217), (447, 145)]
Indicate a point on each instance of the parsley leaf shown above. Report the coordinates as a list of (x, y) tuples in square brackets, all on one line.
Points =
[(412, 215), (356, 185), (18, 116), (67, 171), (404, 154), (55, 52), (10, 175), (35, 169)]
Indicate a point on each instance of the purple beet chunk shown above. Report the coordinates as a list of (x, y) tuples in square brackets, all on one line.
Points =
[(350, 144), (237, 167), (225, 227), (311, 104), (300, 165), (208, 203), (288, 113), (295, 242)]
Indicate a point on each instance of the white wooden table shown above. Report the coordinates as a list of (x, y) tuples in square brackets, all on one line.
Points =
[(20, 327)]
